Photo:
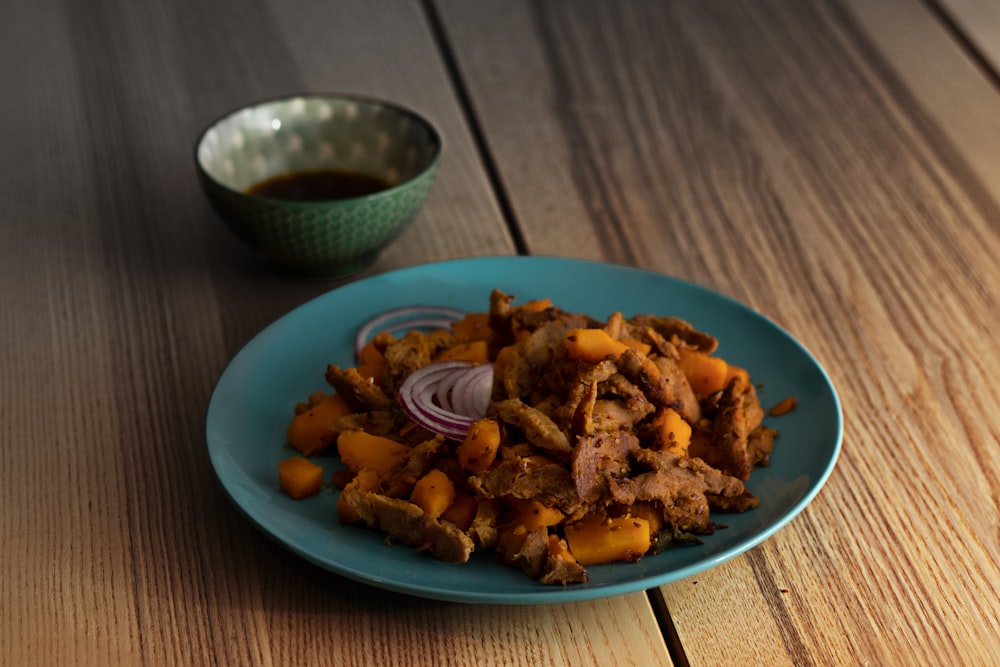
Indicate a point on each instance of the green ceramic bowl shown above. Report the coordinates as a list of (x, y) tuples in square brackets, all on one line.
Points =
[(310, 133)]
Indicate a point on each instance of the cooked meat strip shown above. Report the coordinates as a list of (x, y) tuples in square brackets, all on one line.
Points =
[(361, 394), (598, 458), (484, 526), (760, 443), (576, 410), (582, 422), (616, 326), (611, 415), (532, 554), (727, 449), (418, 462), (681, 485), (376, 422), (405, 522), (402, 357), (529, 357), (641, 370), (550, 484), (675, 330), (537, 427), (499, 316), (741, 503), (559, 571)]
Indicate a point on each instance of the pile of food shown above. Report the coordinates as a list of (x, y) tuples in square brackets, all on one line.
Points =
[(552, 439)]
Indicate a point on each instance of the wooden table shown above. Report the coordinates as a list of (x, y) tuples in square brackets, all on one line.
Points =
[(834, 165)]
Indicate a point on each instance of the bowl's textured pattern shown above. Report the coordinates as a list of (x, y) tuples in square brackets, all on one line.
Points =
[(318, 239)]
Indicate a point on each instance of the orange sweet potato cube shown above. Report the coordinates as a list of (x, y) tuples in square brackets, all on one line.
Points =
[(597, 540), (299, 477), (313, 429)]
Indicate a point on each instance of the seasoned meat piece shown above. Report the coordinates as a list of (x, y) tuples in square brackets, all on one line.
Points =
[(716, 481), (727, 447), (361, 394), (532, 554), (741, 503), (639, 369), (682, 486), (667, 360), (616, 326), (753, 411), (676, 330), (624, 405), (582, 422), (550, 484), (407, 523), (618, 385), (418, 462), (529, 358), (538, 427), (484, 526), (611, 415), (499, 315), (531, 320), (760, 442), (376, 422), (559, 571), (598, 458), (402, 357), (689, 407), (577, 409)]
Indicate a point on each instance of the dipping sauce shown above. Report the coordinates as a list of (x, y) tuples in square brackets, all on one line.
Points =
[(319, 185)]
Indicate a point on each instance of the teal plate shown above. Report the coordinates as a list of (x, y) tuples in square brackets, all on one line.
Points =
[(253, 400)]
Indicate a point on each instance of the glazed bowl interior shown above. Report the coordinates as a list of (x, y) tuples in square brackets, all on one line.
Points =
[(314, 132)]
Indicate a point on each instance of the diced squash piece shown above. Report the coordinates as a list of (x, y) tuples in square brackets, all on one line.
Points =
[(365, 480), (733, 371), (673, 430), (593, 345), (560, 550), (371, 361), (475, 351), (474, 326), (648, 511), (463, 511), (503, 358), (433, 493), (536, 305), (705, 373), (638, 345), (313, 429), (299, 477), (596, 540), (532, 514), (479, 449), (359, 450)]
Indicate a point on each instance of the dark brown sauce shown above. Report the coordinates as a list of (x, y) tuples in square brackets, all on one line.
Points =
[(319, 185)]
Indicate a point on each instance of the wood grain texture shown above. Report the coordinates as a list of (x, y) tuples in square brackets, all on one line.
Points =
[(121, 300), (977, 23), (801, 158)]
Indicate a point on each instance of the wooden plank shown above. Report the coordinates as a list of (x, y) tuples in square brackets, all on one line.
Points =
[(798, 157), (121, 300), (978, 23)]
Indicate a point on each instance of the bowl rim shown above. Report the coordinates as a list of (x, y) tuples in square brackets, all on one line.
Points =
[(434, 137)]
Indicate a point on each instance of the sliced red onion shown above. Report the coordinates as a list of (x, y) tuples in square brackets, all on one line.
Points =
[(472, 391), (406, 318), (461, 383)]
